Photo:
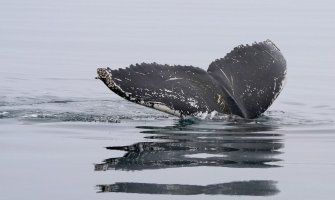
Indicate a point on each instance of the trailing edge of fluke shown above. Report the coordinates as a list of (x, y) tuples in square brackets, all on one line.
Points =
[(245, 83)]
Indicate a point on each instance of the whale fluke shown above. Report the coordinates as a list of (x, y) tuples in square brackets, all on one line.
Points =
[(245, 83)]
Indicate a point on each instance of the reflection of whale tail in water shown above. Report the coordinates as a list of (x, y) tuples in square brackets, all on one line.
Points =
[(245, 82), (191, 145), (232, 148), (250, 188)]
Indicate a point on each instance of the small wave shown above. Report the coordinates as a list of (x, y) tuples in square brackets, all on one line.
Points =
[(112, 115), (294, 119), (272, 117), (52, 108), (48, 116), (216, 116), (71, 117), (30, 101), (40, 116), (4, 114)]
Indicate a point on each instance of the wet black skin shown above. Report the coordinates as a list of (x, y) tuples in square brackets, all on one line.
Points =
[(245, 83)]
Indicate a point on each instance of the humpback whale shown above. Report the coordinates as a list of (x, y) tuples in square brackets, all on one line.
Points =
[(245, 83)]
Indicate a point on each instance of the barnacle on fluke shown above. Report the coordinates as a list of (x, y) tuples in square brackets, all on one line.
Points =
[(245, 83)]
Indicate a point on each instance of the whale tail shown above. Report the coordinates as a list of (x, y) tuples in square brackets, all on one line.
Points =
[(251, 76), (245, 82)]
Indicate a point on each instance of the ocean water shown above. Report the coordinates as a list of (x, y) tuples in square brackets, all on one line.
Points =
[(64, 135)]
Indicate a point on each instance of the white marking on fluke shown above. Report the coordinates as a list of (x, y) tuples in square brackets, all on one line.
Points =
[(173, 79)]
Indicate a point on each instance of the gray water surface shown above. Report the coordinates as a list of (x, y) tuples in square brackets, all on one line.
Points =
[(64, 135)]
